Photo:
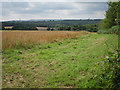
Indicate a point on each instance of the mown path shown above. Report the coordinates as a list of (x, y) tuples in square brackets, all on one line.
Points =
[(72, 63)]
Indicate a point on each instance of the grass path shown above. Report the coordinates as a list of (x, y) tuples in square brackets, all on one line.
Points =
[(72, 63)]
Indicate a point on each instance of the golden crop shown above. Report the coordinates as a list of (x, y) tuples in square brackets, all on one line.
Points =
[(14, 39)]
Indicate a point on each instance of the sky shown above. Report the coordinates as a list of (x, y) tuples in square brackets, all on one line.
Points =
[(53, 10)]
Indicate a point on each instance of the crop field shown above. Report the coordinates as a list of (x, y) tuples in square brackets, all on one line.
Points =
[(64, 59), (56, 50), (26, 39)]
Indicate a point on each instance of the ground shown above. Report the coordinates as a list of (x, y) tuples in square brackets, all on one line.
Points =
[(63, 64)]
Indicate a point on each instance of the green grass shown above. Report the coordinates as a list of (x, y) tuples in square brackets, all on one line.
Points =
[(72, 63)]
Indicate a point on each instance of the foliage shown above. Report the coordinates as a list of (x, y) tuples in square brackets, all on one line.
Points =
[(103, 24), (24, 27), (112, 16), (103, 32), (112, 30), (91, 27), (110, 77), (111, 13), (86, 27), (52, 25)]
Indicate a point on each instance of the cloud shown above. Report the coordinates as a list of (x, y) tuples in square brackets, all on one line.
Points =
[(90, 9), (32, 10), (54, 0)]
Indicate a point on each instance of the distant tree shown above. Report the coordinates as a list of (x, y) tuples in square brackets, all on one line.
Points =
[(48, 28)]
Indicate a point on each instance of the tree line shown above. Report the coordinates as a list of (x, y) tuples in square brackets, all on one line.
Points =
[(86, 27), (69, 25)]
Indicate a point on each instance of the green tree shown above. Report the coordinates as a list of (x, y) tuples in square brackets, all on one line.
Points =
[(112, 14)]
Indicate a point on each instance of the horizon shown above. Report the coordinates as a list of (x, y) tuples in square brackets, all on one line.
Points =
[(56, 19)]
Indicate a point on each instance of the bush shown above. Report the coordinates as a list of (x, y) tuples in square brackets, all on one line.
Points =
[(110, 78), (112, 30), (103, 32), (104, 24)]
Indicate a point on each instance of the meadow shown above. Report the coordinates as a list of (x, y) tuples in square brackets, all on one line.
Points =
[(64, 59)]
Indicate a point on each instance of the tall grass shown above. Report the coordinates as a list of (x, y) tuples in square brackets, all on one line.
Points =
[(26, 39)]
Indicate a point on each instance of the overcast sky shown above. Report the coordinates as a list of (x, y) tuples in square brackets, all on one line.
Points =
[(53, 10)]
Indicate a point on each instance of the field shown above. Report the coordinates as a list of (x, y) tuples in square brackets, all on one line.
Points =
[(62, 60), (26, 39)]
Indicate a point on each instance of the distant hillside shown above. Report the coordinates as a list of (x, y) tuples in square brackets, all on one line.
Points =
[(51, 22)]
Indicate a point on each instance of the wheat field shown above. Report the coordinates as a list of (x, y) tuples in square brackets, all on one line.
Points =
[(16, 39)]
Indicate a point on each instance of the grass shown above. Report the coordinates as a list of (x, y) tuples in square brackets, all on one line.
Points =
[(75, 62)]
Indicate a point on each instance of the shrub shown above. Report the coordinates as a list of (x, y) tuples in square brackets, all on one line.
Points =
[(104, 24), (110, 77), (112, 30), (103, 32)]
